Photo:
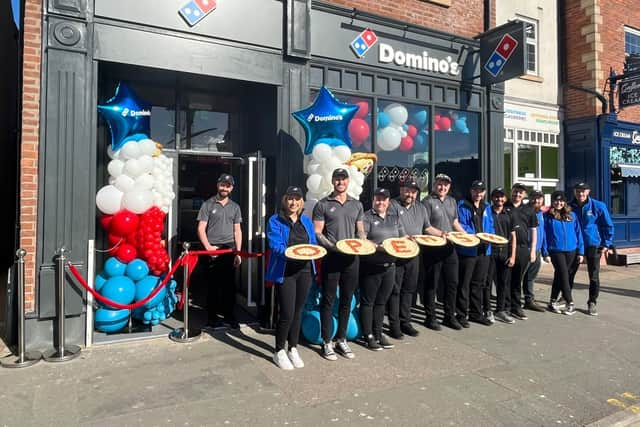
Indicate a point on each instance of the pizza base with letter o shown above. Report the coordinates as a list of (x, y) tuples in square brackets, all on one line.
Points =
[(305, 252), (463, 239), (401, 247), (429, 240), (356, 246), (492, 238)]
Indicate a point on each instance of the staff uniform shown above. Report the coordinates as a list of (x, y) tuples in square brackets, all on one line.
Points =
[(534, 268), (499, 271)]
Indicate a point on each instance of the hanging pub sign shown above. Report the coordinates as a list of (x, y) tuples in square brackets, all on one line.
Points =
[(502, 53), (629, 92)]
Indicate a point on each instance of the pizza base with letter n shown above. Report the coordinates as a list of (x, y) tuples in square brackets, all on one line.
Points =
[(401, 247), (305, 252), (356, 246), (492, 238), (429, 240), (463, 239)]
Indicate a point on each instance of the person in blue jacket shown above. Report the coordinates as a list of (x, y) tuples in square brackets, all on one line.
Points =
[(474, 215), (563, 244), (292, 278), (597, 232)]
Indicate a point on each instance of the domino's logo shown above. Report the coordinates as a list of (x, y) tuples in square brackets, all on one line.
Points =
[(501, 55), (365, 41), (195, 10)]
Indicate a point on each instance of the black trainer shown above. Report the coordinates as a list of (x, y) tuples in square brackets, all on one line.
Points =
[(481, 320), (395, 332), (452, 322), (384, 342), (408, 329), (372, 343), (518, 313), (531, 305), (463, 321), (433, 324)]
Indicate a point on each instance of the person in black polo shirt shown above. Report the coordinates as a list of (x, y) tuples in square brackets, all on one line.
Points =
[(442, 217), (413, 219), (377, 275), (525, 224), (219, 222), (337, 216)]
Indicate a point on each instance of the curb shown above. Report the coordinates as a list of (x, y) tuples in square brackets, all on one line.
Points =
[(618, 419)]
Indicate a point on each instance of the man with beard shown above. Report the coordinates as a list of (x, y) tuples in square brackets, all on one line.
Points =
[(525, 224), (536, 200), (219, 222), (413, 218), (336, 217), (442, 218)]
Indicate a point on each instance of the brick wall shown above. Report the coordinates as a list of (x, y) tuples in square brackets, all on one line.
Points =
[(30, 138), (463, 17)]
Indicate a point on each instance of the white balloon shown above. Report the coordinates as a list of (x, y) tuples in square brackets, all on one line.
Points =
[(115, 167), (321, 152), (309, 204), (326, 185), (113, 154), (109, 199), (132, 168), (397, 113), (137, 201), (156, 171), (147, 147), (131, 150), (112, 180), (144, 182), (358, 178), (328, 166), (146, 163), (389, 138), (313, 167), (124, 183), (314, 182), (342, 152)]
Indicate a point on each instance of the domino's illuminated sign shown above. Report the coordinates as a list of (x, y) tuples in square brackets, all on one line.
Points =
[(194, 11)]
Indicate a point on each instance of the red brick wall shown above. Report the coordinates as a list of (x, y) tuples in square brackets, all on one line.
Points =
[(463, 17), (29, 150)]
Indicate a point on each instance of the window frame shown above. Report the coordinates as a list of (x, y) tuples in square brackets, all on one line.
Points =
[(634, 32), (533, 41)]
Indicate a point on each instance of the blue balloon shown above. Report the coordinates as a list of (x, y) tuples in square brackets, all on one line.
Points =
[(326, 118), (126, 115), (311, 326), (138, 313), (420, 140), (137, 269), (419, 118), (461, 124), (108, 321), (383, 120), (144, 288), (353, 327), (113, 267), (101, 279), (119, 289)]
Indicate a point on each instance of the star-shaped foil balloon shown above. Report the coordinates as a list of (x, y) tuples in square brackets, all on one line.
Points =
[(326, 121), (126, 115)]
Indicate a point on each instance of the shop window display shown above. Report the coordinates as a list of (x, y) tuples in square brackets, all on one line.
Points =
[(625, 180)]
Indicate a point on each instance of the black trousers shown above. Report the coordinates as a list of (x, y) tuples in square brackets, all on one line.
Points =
[(501, 275), (440, 261), (337, 270), (472, 284), (562, 261), (523, 257), (221, 292), (291, 295), (404, 290), (376, 284), (593, 256)]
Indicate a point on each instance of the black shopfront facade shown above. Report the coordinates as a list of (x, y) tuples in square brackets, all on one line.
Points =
[(222, 93)]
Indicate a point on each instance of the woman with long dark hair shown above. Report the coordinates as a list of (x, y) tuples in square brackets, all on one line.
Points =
[(563, 244)]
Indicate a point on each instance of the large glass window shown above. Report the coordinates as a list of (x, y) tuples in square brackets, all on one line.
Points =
[(625, 180), (527, 160), (631, 41), (549, 156), (508, 161)]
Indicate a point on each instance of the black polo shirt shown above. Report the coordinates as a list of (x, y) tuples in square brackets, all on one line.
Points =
[(339, 218), (220, 220), (297, 236), (524, 217), (378, 229), (412, 218), (441, 213)]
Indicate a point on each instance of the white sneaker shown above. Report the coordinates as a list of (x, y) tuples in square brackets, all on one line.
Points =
[(295, 358), (282, 361), (328, 353), (343, 348)]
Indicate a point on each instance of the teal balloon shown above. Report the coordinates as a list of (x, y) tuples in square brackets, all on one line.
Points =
[(419, 118), (461, 124), (420, 141), (101, 279), (109, 321), (137, 269), (113, 267), (138, 313), (126, 115), (144, 288), (119, 289), (383, 120), (353, 327), (311, 328)]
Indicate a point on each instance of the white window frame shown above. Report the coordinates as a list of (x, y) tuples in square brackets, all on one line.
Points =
[(533, 42), (537, 181), (633, 31)]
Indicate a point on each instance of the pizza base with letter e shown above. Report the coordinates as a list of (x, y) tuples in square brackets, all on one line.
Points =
[(429, 240), (463, 239), (401, 247), (356, 246), (305, 252), (492, 238)]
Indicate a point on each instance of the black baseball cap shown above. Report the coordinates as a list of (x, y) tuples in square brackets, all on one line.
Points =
[(535, 194), (340, 172), (498, 190), (410, 184), (558, 195), (382, 192), (443, 177), (478, 185), (519, 186), (582, 186), (293, 191), (225, 177)]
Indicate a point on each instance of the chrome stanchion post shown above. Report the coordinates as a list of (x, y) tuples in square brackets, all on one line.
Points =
[(24, 358), (184, 334), (62, 353)]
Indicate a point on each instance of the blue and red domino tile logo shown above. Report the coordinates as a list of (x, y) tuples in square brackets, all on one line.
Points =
[(365, 41), (501, 55), (195, 10)]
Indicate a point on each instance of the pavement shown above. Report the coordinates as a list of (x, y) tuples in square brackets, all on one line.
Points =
[(548, 370)]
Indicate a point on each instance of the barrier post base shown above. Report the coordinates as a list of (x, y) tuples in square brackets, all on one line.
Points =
[(30, 358), (179, 335), (68, 353)]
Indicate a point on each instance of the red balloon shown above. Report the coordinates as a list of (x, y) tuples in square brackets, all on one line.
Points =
[(105, 221), (445, 123), (126, 253), (436, 126), (412, 131), (406, 143), (114, 240), (363, 109), (124, 222), (358, 131)]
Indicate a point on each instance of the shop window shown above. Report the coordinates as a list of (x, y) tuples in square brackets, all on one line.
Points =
[(631, 41), (549, 157), (457, 143), (209, 123), (531, 49), (508, 135), (527, 160), (361, 141), (508, 164)]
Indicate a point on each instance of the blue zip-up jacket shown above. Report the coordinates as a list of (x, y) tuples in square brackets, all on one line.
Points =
[(595, 221), (278, 236), (465, 218), (562, 235), (540, 238)]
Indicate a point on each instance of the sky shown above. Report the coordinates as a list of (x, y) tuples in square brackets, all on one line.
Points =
[(15, 7)]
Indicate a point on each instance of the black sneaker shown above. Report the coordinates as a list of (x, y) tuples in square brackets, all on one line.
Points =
[(396, 333), (452, 322), (408, 329), (554, 307), (372, 343), (481, 320), (531, 305), (384, 342), (232, 322), (518, 313), (503, 316), (570, 310), (433, 324), (463, 321), (591, 309)]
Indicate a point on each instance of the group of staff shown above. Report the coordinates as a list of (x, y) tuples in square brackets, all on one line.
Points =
[(375, 251)]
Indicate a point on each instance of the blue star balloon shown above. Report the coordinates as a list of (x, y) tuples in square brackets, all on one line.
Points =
[(326, 121), (126, 114)]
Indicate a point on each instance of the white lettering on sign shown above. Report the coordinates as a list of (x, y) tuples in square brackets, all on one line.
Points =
[(621, 134), (329, 118), (387, 55), (635, 138), (132, 113)]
